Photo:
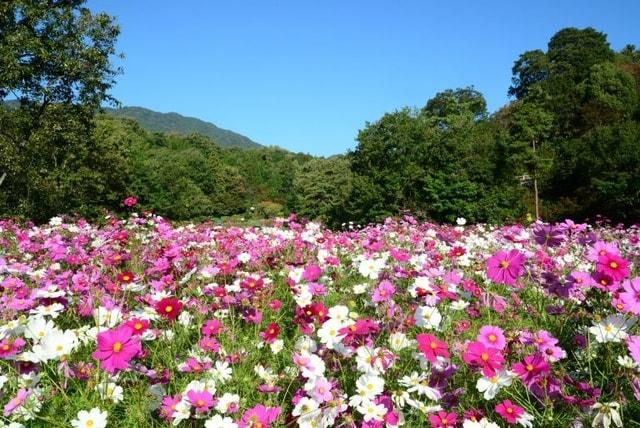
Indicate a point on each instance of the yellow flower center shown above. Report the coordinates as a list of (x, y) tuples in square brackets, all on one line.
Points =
[(492, 337), (529, 367), (504, 264), (200, 403), (117, 347), (484, 356), (168, 309), (6, 347), (613, 265), (434, 345), (89, 423), (137, 326)]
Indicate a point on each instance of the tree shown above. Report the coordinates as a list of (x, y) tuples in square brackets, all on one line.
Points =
[(55, 61), (322, 188), (531, 68), (529, 154)]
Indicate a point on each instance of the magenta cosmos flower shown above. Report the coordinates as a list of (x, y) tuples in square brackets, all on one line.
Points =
[(443, 419), (492, 337), (489, 360), (432, 347), (201, 400), (614, 266), (116, 347), (530, 368), (505, 268), (633, 344), (509, 411), (630, 297), (383, 292), (259, 416)]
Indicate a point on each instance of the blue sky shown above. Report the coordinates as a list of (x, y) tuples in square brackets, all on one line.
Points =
[(306, 75)]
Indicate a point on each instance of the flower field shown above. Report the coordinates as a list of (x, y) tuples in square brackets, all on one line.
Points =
[(140, 323)]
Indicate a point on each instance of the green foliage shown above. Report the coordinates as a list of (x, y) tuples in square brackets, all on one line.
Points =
[(322, 188)]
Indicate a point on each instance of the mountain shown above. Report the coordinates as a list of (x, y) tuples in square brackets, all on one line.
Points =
[(176, 123)]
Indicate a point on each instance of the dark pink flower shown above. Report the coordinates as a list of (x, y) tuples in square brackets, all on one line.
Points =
[(505, 268), (432, 347), (116, 348), (130, 201), (443, 419), (489, 360), (531, 368), (614, 266), (509, 411)]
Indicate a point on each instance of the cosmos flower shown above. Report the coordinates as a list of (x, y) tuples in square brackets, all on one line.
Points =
[(116, 347), (169, 308), (432, 347), (505, 267), (489, 360)]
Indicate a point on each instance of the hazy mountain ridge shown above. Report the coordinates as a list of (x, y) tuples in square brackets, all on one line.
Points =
[(176, 123)]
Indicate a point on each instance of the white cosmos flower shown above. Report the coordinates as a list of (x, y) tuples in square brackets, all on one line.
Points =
[(305, 407), (611, 329), (226, 401), (329, 333), (482, 423), (38, 327), (217, 421), (369, 386), (490, 385), (339, 313), (607, 413), (94, 418), (110, 391), (221, 371), (52, 310), (370, 268), (398, 341), (428, 317), (54, 345), (372, 411)]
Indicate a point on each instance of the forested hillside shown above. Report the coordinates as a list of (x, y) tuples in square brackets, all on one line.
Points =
[(179, 124)]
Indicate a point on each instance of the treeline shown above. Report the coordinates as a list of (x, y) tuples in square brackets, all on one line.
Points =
[(571, 132)]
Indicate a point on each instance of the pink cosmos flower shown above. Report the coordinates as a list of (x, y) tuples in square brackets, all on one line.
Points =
[(16, 401), (509, 411), (443, 419), (321, 391), (130, 201), (201, 400), (601, 248), (169, 406), (633, 344), (505, 268), (383, 292), (10, 347), (531, 368), (432, 347), (211, 327), (259, 416), (489, 360), (312, 273), (630, 297), (492, 337), (614, 266), (116, 347)]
